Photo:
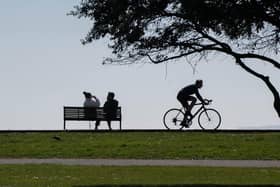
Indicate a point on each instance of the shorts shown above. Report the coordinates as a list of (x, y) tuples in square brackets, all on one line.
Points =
[(183, 99)]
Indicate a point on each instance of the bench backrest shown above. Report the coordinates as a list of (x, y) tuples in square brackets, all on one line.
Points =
[(82, 113)]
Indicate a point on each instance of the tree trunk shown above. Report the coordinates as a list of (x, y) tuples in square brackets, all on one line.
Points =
[(266, 80), (276, 96), (277, 106)]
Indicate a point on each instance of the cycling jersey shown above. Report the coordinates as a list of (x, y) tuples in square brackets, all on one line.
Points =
[(189, 90)]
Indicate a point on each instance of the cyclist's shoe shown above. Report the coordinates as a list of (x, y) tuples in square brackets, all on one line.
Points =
[(189, 122), (185, 124)]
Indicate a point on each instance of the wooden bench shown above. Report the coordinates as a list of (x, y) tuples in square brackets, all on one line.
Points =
[(89, 114)]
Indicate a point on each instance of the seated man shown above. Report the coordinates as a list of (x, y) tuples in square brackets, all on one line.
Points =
[(110, 108), (185, 95)]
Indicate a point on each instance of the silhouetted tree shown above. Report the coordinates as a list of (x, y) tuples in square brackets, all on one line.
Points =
[(164, 30)]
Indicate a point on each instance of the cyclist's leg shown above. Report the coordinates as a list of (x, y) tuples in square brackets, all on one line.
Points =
[(188, 116), (184, 103), (191, 105)]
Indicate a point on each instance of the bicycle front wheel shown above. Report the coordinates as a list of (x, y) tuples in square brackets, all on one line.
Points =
[(209, 119), (172, 119)]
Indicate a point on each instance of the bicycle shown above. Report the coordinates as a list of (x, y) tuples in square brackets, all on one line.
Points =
[(208, 118)]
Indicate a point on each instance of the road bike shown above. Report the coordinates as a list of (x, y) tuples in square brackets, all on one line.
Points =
[(208, 118)]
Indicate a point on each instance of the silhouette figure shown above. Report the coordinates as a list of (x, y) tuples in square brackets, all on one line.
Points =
[(110, 108), (91, 102), (185, 96)]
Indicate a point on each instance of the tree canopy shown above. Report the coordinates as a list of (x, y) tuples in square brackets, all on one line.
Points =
[(164, 30)]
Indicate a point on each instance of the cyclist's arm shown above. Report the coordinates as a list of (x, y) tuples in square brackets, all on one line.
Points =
[(199, 96)]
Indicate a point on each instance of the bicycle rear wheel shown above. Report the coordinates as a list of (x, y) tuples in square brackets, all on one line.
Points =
[(209, 119), (172, 119)]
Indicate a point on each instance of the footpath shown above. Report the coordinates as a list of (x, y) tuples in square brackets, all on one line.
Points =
[(141, 162)]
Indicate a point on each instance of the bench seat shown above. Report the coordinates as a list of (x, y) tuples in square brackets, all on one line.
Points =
[(72, 113)]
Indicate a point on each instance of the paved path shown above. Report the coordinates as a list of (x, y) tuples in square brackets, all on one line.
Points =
[(140, 162)]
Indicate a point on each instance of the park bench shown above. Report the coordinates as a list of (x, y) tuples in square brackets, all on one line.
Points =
[(89, 114)]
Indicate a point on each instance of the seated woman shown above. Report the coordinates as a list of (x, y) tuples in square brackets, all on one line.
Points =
[(91, 102)]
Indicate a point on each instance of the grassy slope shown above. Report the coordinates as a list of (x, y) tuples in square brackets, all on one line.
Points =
[(148, 145), (54, 175)]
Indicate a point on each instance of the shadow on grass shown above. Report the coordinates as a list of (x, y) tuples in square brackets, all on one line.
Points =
[(182, 185)]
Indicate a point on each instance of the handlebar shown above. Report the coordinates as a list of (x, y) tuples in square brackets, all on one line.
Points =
[(206, 102)]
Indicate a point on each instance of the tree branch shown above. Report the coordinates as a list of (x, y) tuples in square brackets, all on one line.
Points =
[(256, 56), (227, 49), (174, 57)]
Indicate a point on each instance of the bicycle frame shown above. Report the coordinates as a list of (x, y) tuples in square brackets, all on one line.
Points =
[(202, 107)]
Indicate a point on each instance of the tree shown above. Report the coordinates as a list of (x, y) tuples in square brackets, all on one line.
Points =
[(165, 30)]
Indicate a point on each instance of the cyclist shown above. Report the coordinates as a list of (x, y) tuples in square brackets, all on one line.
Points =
[(185, 96)]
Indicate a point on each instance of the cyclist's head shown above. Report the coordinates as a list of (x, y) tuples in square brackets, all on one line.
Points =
[(199, 83)]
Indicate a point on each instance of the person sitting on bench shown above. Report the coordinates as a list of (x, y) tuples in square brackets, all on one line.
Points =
[(110, 108), (90, 104)]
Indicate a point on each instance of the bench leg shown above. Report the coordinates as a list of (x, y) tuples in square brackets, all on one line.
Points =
[(120, 125)]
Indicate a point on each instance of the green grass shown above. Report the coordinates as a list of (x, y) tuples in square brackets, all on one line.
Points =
[(89, 176), (146, 145)]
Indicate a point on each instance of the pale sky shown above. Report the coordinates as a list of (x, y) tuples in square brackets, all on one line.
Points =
[(43, 67)]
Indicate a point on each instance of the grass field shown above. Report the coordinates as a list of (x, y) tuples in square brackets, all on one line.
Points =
[(145, 145), (86, 176)]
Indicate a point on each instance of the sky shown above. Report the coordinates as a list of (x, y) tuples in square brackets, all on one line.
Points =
[(44, 66)]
